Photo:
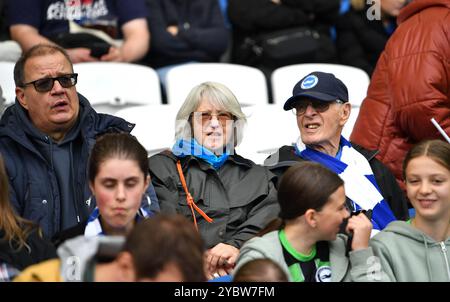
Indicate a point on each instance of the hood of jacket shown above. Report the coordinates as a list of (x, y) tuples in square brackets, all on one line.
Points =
[(418, 5), (78, 253), (406, 230)]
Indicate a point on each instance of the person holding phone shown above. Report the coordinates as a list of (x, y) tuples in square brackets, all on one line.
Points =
[(305, 239)]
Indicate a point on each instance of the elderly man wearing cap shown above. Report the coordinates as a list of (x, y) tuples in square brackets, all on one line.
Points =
[(321, 105)]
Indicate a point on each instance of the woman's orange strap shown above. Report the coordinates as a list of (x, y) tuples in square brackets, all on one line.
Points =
[(189, 199)]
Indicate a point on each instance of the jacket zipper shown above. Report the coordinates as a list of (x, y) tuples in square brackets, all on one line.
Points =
[(444, 251)]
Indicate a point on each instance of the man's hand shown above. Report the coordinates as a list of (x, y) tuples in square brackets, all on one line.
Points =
[(114, 55), (220, 260), (79, 55)]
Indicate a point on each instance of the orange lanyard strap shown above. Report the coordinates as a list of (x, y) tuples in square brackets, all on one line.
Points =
[(189, 199)]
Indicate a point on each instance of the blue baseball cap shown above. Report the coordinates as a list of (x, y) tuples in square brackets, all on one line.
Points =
[(320, 86)]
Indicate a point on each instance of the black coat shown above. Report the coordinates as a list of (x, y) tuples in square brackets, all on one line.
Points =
[(389, 187), (360, 41), (251, 18), (40, 250), (240, 196)]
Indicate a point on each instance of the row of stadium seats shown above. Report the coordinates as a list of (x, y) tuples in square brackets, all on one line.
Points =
[(111, 86)]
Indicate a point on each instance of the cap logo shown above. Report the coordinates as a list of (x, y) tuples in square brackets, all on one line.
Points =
[(309, 82)]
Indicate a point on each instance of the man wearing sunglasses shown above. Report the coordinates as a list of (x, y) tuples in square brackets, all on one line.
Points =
[(45, 139), (321, 106)]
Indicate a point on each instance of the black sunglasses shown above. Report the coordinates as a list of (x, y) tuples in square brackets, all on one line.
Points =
[(46, 84), (319, 106)]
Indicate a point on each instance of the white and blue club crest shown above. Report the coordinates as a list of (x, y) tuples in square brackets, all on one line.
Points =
[(309, 82)]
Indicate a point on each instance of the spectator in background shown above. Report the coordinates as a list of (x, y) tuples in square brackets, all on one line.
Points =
[(253, 18), (164, 248), (305, 240), (21, 241), (185, 31), (410, 85), (260, 270), (361, 36), (42, 21), (231, 197), (9, 50), (418, 250), (45, 139), (118, 178), (321, 106)]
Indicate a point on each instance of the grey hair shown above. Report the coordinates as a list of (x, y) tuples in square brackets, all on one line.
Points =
[(220, 97)]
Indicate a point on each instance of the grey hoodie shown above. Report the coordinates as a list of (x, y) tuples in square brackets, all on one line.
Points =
[(407, 254), (79, 253), (359, 266)]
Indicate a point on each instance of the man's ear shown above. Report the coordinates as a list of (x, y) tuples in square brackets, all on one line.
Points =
[(345, 111), (20, 95), (125, 263), (311, 217)]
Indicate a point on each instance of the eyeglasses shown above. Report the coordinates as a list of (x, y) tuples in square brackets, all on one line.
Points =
[(46, 84), (205, 117), (319, 106)]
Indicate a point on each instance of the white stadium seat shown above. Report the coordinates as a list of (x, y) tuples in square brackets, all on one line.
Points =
[(247, 83), (110, 86)]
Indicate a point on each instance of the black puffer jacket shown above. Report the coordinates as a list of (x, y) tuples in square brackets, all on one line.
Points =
[(39, 250), (240, 196), (360, 41), (279, 162)]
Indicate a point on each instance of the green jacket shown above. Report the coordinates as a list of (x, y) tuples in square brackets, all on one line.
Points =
[(407, 254), (359, 266)]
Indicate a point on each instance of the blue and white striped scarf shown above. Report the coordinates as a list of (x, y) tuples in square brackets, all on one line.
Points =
[(94, 227), (359, 182)]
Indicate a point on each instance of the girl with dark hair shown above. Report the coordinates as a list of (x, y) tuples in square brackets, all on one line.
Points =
[(418, 250), (21, 241), (305, 239), (118, 178)]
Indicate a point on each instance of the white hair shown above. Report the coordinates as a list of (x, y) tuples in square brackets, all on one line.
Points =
[(217, 95)]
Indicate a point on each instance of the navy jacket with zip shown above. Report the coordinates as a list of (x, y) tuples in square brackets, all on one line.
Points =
[(35, 191)]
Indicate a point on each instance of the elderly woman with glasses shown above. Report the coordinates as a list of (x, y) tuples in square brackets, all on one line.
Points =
[(229, 198), (321, 105)]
